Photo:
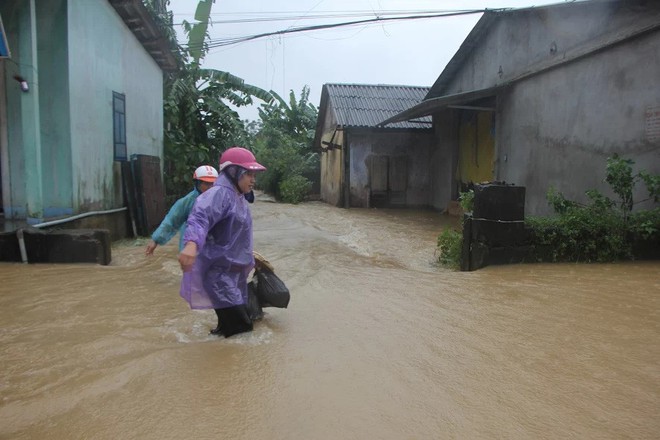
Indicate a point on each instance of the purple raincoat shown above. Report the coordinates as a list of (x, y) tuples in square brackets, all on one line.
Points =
[(221, 225)]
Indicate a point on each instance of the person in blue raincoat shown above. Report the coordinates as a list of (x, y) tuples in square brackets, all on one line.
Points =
[(175, 220), (217, 256)]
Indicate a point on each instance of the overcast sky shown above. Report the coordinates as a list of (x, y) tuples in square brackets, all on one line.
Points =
[(410, 52)]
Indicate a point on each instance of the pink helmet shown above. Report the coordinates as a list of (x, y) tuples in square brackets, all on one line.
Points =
[(241, 157)]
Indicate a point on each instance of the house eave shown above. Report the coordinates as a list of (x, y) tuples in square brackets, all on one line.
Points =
[(649, 24), (141, 23), (434, 105)]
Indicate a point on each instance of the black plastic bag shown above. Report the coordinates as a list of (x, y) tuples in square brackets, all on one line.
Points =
[(253, 305), (271, 290)]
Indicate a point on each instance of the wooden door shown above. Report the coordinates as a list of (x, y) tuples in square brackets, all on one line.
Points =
[(398, 180), (388, 180), (476, 147)]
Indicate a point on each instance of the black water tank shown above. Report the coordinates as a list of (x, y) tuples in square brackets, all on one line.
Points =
[(496, 201)]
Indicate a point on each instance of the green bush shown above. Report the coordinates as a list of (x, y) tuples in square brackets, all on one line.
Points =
[(580, 234), (645, 224), (603, 229), (449, 246), (466, 200), (293, 189)]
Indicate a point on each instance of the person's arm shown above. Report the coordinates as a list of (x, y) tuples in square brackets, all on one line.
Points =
[(187, 256), (209, 209), (172, 222), (151, 247)]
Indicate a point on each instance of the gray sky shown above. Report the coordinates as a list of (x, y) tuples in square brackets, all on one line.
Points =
[(405, 52)]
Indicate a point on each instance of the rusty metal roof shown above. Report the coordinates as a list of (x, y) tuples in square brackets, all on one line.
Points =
[(362, 105)]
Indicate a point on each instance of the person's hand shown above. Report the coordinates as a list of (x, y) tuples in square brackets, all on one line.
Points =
[(187, 256), (150, 248), (261, 263)]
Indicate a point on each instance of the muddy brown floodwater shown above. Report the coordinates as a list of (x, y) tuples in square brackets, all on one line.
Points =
[(378, 343)]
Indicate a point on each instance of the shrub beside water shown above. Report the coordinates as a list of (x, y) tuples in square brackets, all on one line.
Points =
[(466, 200), (450, 242), (449, 247), (293, 189), (579, 235), (602, 230)]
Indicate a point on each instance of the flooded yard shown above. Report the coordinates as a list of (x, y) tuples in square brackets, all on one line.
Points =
[(378, 342)]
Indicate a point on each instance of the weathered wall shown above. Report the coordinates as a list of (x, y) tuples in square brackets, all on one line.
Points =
[(331, 161), (4, 164), (521, 39), (444, 159), (54, 108), (34, 143), (560, 127), (56, 141), (416, 146), (16, 19), (106, 57), (331, 176)]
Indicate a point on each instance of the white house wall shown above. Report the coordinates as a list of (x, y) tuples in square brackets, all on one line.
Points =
[(105, 57)]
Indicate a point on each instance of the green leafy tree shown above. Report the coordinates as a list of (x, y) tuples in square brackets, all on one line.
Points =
[(200, 122), (284, 144)]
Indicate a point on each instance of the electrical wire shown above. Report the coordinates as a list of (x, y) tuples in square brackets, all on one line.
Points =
[(316, 16), (220, 42)]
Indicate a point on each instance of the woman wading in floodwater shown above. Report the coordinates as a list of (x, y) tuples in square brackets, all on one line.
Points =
[(217, 256)]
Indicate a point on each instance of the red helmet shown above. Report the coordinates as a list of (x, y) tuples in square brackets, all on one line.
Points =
[(241, 157)]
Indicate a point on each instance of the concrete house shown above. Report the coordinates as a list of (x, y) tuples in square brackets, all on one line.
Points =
[(542, 96), (81, 90), (363, 165)]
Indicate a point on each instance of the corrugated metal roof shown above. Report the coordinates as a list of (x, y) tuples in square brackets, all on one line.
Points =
[(361, 105)]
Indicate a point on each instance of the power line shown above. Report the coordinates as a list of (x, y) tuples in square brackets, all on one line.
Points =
[(220, 42), (318, 12), (318, 16)]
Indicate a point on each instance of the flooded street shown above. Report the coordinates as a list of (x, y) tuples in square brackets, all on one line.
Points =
[(378, 343)]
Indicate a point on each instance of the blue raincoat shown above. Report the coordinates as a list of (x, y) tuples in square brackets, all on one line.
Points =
[(221, 225), (175, 220)]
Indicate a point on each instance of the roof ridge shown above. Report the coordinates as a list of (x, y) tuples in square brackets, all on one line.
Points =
[(376, 85)]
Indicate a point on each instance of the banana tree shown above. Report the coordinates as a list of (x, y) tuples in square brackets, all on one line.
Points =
[(200, 122), (284, 143), (297, 117)]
